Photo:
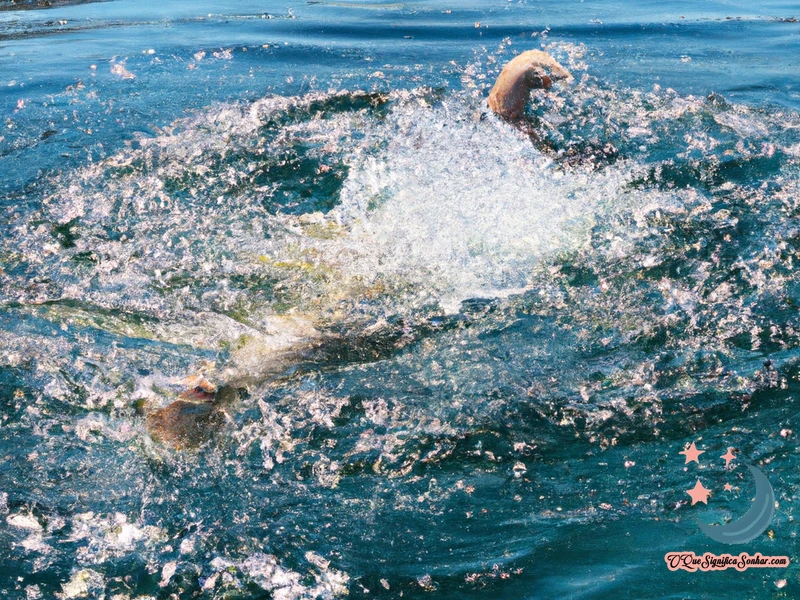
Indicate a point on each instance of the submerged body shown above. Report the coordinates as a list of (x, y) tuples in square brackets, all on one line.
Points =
[(293, 340), (200, 410), (292, 345)]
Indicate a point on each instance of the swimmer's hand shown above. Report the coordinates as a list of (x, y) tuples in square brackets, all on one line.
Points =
[(530, 70)]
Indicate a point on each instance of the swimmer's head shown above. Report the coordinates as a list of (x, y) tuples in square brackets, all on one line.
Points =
[(538, 79), (529, 71)]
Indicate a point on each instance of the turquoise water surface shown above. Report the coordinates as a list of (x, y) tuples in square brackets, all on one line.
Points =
[(466, 362)]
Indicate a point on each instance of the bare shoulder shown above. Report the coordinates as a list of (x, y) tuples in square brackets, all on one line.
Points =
[(533, 69), (534, 57)]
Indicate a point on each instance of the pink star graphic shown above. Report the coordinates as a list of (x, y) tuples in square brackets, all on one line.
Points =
[(692, 454), (728, 456), (699, 493), (728, 487)]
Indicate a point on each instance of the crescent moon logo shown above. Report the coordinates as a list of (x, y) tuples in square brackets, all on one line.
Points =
[(753, 523)]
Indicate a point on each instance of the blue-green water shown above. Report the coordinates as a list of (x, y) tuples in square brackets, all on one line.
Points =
[(471, 361)]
